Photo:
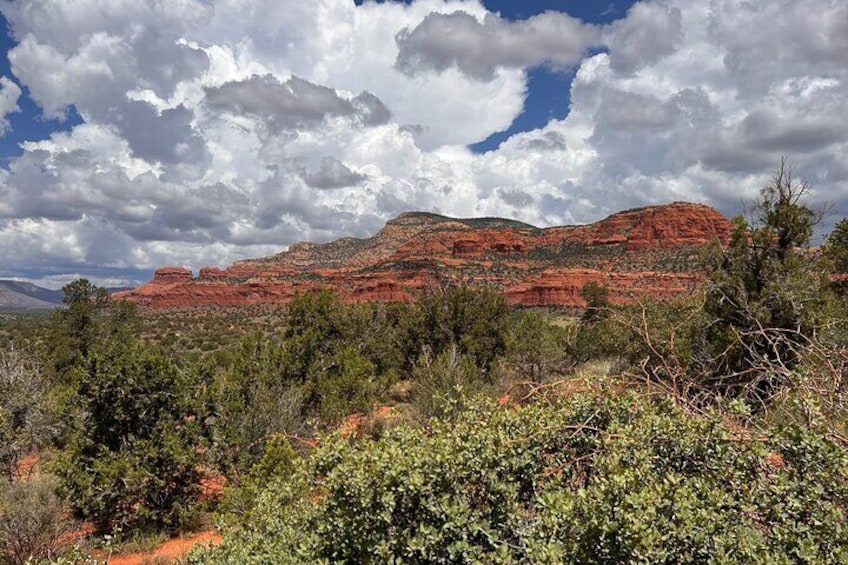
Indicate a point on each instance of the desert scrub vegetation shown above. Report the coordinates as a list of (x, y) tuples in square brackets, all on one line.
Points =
[(457, 429), (133, 427), (589, 478), (25, 420), (720, 435), (31, 520)]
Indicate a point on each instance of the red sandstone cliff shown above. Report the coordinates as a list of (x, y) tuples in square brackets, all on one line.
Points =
[(645, 252)]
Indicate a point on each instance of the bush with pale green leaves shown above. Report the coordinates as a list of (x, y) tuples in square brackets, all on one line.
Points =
[(595, 478)]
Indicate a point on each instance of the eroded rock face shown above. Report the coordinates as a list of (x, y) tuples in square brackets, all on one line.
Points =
[(169, 275), (212, 273), (645, 252)]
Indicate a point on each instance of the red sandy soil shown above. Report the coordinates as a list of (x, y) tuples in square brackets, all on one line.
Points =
[(212, 486), (774, 460), (354, 424), (169, 551), (27, 467), (83, 531)]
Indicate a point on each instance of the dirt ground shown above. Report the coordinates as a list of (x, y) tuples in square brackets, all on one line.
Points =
[(168, 551)]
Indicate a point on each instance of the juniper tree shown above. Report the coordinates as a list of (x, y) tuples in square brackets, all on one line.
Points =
[(763, 294)]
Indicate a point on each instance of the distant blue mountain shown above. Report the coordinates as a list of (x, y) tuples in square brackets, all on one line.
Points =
[(17, 295)]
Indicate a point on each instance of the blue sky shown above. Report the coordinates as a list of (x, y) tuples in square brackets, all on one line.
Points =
[(203, 132), (548, 90), (28, 124)]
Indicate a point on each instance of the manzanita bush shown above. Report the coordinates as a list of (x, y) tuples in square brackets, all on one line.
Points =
[(594, 478)]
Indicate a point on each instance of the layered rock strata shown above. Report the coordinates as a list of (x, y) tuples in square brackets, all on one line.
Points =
[(651, 251)]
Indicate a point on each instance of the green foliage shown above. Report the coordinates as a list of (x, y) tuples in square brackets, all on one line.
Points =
[(77, 324), (475, 321), (596, 296), (314, 326), (277, 461), (250, 395), (347, 383), (329, 361), (591, 479), (83, 295), (31, 521), (535, 347), (74, 556), (836, 247), (131, 460), (386, 335), (835, 253), (662, 338), (443, 386), (124, 321), (780, 213), (763, 296), (598, 338)]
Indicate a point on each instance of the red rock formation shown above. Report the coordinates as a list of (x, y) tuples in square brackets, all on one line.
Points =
[(383, 291), (645, 252), (212, 273), (168, 275)]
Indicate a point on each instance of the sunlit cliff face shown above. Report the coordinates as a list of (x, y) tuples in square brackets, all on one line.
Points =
[(647, 252)]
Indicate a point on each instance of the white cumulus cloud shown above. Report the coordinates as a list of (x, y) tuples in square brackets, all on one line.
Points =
[(220, 130), (9, 95)]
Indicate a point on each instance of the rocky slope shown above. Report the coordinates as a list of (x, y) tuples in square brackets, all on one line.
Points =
[(644, 252)]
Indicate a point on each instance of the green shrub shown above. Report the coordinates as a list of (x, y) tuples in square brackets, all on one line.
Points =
[(315, 324), (251, 395), (535, 347), (277, 461), (345, 383), (596, 339), (384, 334), (764, 297), (443, 385), (132, 458), (474, 321), (835, 256), (76, 327), (596, 296), (591, 479), (661, 338)]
